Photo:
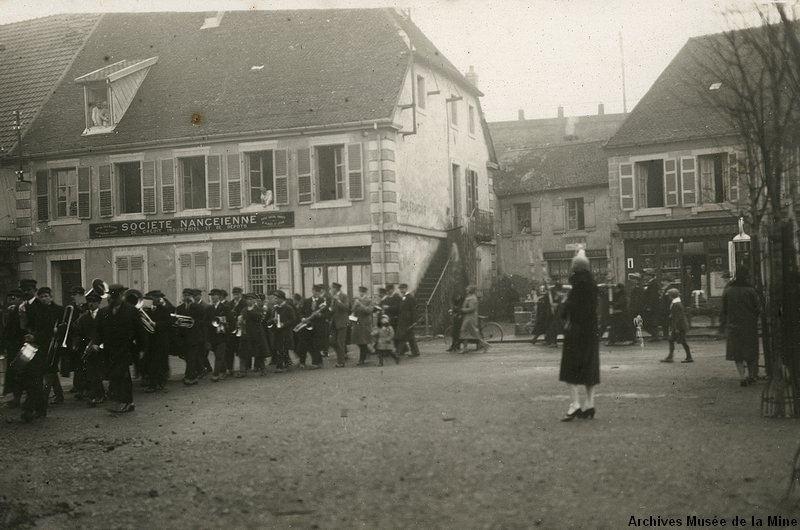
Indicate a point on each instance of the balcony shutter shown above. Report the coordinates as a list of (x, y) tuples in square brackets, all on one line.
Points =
[(168, 185), (589, 216), (84, 193), (237, 270), (506, 222), (733, 178), (536, 219), (284, 271), (304, 185), (213, 182), (671, 182), (42, 195), (106, 197), (689, 181), (149, 187), (558, 216), (626, 201), (280, 162), (234, 181), (355, 173)]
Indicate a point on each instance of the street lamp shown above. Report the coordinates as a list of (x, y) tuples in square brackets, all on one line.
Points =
[(741, 249)]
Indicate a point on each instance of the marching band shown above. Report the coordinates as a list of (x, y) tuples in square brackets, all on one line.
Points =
[(104, 331)]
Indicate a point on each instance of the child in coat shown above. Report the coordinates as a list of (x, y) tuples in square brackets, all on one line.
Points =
[(384, 336)]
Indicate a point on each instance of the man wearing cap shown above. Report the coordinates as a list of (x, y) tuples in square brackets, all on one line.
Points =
[(41, 331), (361, 331), (119, 327), (679, 325), (220, 319), (340, 313), (93, 361), (194, 338), (205, 322), (237, 305), (406, 320), (71, 359), (391, 307), (29, 303), (284, 322), (12, 339), (253, 343), (158, 347), (314, 337)]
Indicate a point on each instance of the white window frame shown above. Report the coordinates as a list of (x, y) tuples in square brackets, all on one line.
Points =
[(245, 150), (251, 246), (113, 160), (188, 249), (65, 256), (582, 203), (130, 252), (177, 156), (464, 169), (337, 140)]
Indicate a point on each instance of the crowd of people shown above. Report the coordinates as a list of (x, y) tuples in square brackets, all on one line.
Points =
[(102, 332)]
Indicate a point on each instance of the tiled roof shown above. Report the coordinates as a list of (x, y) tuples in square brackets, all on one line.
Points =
[(34, 55), (674, 109), (257, 71), (554, 167), (510, 136)]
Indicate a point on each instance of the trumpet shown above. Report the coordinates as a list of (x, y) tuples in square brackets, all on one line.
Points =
[(67, 318), (182, 321), (134, 297), (304, 324), (220, 323)]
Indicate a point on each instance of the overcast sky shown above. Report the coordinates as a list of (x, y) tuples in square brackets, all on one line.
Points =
[(529, 54)]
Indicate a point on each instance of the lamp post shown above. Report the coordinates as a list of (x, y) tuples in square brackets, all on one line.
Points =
[(741, 249)]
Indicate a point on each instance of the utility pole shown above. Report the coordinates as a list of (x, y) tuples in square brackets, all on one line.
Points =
[(622, 57)]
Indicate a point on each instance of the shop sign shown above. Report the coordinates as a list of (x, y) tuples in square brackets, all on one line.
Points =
[(192, 225)]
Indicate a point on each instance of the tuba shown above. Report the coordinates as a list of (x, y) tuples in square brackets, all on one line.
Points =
[(134, 297), (100, 288), (221, 324), (182, 321)]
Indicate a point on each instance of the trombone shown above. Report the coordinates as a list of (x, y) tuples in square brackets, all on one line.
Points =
[(134, 297), (68, 312)]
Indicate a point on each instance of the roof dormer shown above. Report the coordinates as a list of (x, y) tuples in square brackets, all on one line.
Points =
[(109, 91)]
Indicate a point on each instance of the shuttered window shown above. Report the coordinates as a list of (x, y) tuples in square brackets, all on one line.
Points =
[(689, 181), (559, 216), (671, 182), (237, 269), (234, 182), (733, 177), (84, 192), (149, 187), (284, 271), (42, 195), (127, 186), (193, 182), (626, 187), (304, 186), (214, 182), (194, 270), (536, 219), (355, 173), (471, 178), (281, 171), (106, 195), (129, 271), (506, 222), (589, 214), (168, 185), (262, 271)]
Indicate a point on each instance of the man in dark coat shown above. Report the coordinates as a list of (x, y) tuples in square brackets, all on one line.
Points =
[(285, 318), (314, 337), (237, 305), (391, 307), (93, 361), (456, 318), (42, 319), (406, 320), (206, 367), (219, 318), (194, 338), (741, 306), (13, 338), (361, 330), (679, 326), (340, 311), (159, 343), (119, 327)]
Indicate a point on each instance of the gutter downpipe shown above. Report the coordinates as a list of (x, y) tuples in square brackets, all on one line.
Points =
[(381, 228)]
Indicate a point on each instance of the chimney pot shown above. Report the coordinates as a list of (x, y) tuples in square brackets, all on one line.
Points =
[(601, 109), (560, 111), (521, 115), (472, 76)]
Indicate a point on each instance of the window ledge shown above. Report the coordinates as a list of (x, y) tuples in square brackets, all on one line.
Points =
[(193, 213), (255, 208), (711, 207), (98, 130), (339, 203), (64, 222), (129, 217), (647, 212)]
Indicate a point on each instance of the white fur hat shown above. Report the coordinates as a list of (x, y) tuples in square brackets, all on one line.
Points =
[(580, 261)]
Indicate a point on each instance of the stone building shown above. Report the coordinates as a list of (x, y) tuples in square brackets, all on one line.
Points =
[(266, 149)]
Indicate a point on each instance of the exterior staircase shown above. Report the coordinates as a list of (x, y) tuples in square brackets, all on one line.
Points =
[(440, 281)]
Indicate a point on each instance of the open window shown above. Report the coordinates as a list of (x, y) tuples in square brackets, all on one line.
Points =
[(575, 214), (650, 184), (714, 181), (261, 182), (339, 172), (129, 183), (193, 182), (109, 91), (522, 214)]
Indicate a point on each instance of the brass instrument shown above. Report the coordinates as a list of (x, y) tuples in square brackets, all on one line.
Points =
[(88, 350), (68, 313), (26, 354), (304, 322), (134, 297), (100, 288), (182, 321), (221, 324)]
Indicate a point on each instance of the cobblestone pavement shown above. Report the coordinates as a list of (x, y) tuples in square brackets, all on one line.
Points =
[(441, 441)]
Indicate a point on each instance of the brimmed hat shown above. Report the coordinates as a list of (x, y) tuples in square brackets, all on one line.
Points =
[(214, 292), (237, 290), (251, 296), (403, 286), (223, 293), (93, 297), (336, 285), (15, 292), (116, 289), (188, 291), (44, 290), (389, 286), (363, 289), (154, 294), (77, 290), (280, 294)]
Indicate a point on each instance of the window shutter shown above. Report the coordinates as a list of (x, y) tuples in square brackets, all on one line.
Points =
[(213, 182), (42, 196), (237, 269), (355, 173), (280, 160), (246, 180), (304, 187), (168, 185), (284, 271), (84, 193), (589, 216), (689, 181), (149, 187), (626, 201), (706, 179), (106, 197), (136, 280), (536, 219), (507, 222), (185, 276), (671, 182), (123, 270), (558, 216), (733, 178), (234, 182)]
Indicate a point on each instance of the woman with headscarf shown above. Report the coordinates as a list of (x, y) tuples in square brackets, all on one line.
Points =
[(739, 320), (580, 357)]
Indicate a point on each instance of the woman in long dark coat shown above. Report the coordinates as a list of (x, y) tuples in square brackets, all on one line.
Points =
[(739, 320), (580, 358)]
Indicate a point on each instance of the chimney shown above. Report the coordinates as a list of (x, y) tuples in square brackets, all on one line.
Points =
[(521, 115), (601, 109), (560, 111), (472, 77)]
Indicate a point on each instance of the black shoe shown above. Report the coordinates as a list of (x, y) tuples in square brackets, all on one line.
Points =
[(13, 404), (572, 415), (122, 408), (667, 360), (57, 400), (587, 414), (688, 360), (26, 417), (150, 390), (744, 382)]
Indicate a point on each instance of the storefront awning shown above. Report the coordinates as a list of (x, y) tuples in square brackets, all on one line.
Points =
[(728, 230)]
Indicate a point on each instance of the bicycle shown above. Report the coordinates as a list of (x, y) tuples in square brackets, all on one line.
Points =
[(491, 331)]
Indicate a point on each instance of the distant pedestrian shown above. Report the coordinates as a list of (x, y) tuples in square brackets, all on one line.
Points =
[(580, 357), (456, 319), (678, 327), (362, 329), (544, 314), (384, 340), (739, 320), (470, 329)]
